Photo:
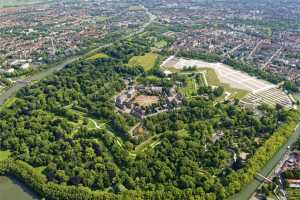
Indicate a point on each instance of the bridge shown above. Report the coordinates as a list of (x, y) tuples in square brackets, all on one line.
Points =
[(264, 178), (23, 81)]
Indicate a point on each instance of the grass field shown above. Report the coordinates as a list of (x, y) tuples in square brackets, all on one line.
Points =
[(293, 194), (97, 56), (39, 170), (9, 102), (160, 44), (4, 155), (147, 61), (102, 18), (13, 3), (150, 142), (136, 8), (193, 84), (190, 89), (212, 80)]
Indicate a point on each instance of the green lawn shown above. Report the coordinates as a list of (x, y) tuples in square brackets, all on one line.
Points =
[(9, 102), (136, 8), (97, 56), (102, 18), (160, 44), (147, 143), (190, 89), (212, 80), (203, 80), (39, 170), (147, 61), (4, 155), (192, 86), (293, 194), (12, 3)]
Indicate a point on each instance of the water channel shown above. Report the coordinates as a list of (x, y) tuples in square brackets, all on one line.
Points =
[(268, 169), (35, 77), (12, 189)]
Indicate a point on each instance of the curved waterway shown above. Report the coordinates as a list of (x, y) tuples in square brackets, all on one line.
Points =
[(12, 189)]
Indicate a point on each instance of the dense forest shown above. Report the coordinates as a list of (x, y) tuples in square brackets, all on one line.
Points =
[(203, 149)]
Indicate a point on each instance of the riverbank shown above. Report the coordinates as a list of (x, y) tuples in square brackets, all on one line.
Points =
[(38, 182), (12, 189), (269, 168)]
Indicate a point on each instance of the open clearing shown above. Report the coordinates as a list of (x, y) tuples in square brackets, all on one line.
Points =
[(160, 44), (193, 84), (293, 194), (102, 18), (143, 100), (97, 56), (190, 89), (226, 74), (4, 155), (147, 61)]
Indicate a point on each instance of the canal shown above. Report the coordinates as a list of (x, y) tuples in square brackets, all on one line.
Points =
[(12, 189), (35, 77), (249, 190), (269, 168)]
